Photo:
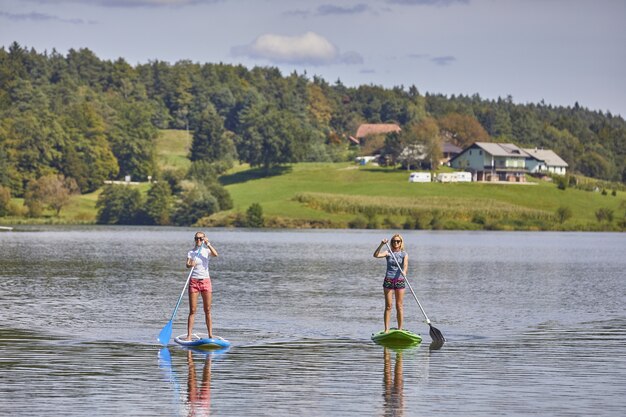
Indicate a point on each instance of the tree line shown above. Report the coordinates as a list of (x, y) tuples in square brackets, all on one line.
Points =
[(79, 118)]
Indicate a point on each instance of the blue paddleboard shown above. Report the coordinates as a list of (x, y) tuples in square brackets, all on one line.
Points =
[(201, 341)]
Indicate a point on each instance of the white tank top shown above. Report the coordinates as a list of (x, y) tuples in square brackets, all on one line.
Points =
[(201, 270)]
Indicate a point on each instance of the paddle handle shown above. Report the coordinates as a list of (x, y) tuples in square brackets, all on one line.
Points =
[(408, 283)]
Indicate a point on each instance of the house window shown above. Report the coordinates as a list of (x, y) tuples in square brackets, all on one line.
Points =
[(480, 152)]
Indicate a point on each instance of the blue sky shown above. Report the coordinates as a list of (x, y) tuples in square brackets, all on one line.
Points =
[(558, 51)]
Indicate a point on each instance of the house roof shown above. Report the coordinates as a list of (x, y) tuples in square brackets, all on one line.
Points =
[(501, 149), (548, 156), (376, 129), (450, 148)]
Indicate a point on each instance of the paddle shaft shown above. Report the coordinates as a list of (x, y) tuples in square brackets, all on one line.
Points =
[(408, 283), (185, 287)]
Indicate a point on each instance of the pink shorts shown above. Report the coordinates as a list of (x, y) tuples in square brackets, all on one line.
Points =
[(200, 285)]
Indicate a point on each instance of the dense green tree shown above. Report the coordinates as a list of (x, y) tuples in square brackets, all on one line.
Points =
[(266, 138), (52, 191), (416, 145), (93, 119), (159, 203), (462, 130), (211, 142), (87, 154), (5, 200), (592, 164), (133, 139), (196, 202), (254, 216), (119, 204)]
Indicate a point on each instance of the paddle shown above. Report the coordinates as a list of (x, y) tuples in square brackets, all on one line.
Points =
[(166, 332), (435, 334)]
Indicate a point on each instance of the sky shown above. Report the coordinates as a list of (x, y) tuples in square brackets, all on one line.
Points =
[(556, 51)]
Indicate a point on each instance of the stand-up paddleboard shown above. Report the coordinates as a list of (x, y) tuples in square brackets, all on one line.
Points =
[(396, 337), (201, 341)]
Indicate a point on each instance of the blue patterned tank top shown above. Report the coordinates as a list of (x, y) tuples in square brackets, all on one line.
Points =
[(393, 271)]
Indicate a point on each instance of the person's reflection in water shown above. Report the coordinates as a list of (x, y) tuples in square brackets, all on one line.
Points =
[(394, 384), (199, 397)]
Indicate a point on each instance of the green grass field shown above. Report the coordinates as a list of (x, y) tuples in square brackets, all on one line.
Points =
[(340, 192), (349, 195), (173, 149)]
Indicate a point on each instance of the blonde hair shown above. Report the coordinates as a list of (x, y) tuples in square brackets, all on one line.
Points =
[(397, 235)]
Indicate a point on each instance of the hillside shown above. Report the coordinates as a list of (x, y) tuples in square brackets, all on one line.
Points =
[(347, 195), (340, 195), (93, 120)]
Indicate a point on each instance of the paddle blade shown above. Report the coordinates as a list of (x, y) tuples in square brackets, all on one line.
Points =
[(165, 358), (166, 334), (436, 335)]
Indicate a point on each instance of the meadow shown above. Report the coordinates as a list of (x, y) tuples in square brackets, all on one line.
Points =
[(347, 195)]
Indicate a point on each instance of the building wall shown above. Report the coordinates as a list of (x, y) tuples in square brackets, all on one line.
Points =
[(474, 158)]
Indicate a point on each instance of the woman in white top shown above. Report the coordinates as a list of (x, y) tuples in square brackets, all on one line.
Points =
[(198, 259)]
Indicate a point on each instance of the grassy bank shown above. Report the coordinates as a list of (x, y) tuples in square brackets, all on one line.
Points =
[(339, 195), (345, 195)]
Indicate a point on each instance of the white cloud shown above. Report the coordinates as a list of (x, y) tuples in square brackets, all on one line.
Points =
[(310, 48), (38, 17), (442, 3), (443, 60), (129, 3)]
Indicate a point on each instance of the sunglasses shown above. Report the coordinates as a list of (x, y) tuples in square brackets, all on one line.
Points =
[(199, 238), (396, 241)]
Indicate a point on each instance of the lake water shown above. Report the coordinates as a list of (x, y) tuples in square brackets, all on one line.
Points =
[(535, 324)]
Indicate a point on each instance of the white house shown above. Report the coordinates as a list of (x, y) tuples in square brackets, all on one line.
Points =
[(545, 161), (493, 161)]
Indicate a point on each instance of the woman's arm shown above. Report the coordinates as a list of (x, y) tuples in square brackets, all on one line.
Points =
[(210, 247), (378, 253), (405, 268)]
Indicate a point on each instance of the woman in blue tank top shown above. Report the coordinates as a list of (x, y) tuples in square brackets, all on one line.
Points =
[(394, 282)]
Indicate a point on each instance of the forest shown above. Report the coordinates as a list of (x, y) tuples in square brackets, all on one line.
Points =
[(73, 121)]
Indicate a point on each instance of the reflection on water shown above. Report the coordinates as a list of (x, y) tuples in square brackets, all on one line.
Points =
[(199, 392), (534, 322), (393, 384)]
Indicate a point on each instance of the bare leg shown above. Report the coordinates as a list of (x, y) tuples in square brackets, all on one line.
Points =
[(399, 307), (387, 315), (193, 306), (206, 303)]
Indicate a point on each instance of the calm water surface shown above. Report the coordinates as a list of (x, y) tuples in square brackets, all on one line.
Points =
[(535, 322)]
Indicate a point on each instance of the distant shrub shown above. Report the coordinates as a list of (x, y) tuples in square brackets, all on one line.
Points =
[(604, 215), (563, 214), (254, 216), (436, 223), (479, 219), (357, 223), (5, 200), (389, 223)]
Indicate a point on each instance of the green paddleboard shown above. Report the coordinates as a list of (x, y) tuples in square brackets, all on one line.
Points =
[(396, 337)]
